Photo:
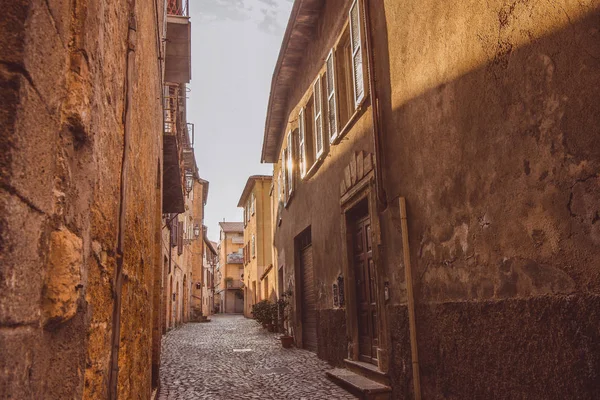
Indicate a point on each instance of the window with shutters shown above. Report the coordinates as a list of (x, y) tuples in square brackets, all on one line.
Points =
[(180, 238), (345, 68), (302, 142), (284, 173), (357, 54), (331, 99), (279, 188), (290, 164)]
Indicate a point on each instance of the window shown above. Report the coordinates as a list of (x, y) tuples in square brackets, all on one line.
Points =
[(357, 55), (302, 142), (253, 246), (279, 188), (284, 173), (253, 203), (345, 74), (331, 102), (290, 164), (318, 115)]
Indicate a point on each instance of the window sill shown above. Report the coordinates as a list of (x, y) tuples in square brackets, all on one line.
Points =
[(315, 166), (351, 121)]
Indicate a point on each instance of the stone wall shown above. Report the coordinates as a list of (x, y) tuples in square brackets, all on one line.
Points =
[(78, 80), (490, 130)]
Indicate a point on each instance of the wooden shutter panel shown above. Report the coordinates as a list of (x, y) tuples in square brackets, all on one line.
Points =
[(174, 225), (290, 163), (331, 100), (318, 117), (357, 55), (180, 238), (284, 173), (302, 142)]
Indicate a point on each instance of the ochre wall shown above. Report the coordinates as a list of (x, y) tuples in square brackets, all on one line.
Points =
[(62, 83)]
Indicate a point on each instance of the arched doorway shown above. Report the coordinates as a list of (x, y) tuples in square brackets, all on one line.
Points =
[(185, 299), (177, 306)]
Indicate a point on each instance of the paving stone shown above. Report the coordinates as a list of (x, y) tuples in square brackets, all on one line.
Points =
[(200, 361)]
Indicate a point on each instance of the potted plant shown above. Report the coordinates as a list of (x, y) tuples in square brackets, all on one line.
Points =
[(262, 313), (283, 308), (272, 316)]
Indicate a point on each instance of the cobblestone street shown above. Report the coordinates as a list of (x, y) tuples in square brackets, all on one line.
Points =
[(234, 358)]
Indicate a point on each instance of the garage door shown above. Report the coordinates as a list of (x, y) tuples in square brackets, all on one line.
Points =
[(309, 314)]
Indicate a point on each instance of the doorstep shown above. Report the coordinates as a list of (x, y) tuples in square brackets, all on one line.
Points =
[(359, 385)]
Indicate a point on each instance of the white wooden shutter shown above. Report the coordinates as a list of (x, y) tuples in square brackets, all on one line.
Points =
[(284, 173), (290, 161), (302, 142), (357, 55), (318, 117), (331, 101)]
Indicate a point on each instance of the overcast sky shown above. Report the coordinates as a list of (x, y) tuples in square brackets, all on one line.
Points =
[(235, 44)]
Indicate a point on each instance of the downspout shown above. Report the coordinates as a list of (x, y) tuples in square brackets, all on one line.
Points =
[(411, 301), (119, 276), (381, 194)]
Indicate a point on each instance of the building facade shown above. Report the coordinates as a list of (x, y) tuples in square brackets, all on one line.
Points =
[(259, 274), (230, 269), (437, 185), (183, 262), (210, 261)]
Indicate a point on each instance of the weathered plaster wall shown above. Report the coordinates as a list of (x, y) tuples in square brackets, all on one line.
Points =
[(491, 119), (63, 80)]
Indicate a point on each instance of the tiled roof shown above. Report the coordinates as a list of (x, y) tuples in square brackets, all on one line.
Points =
[(232, 226)]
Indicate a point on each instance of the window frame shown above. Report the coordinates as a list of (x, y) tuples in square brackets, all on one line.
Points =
[(356, 52), (302, 141), (318, 117), (290, 164), (333, 129)]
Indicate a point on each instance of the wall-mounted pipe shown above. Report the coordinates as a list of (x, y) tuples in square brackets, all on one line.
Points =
[(411, 301)]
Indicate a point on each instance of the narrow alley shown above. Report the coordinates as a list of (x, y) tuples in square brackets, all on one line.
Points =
[(234, 358)]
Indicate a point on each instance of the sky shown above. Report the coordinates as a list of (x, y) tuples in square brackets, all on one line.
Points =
[(235, 44)]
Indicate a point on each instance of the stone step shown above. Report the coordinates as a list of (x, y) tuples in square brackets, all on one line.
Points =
[(359, 385), (368, 370)]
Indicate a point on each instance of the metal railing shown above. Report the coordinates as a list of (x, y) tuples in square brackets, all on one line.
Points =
[(171, 108), (178, 7)]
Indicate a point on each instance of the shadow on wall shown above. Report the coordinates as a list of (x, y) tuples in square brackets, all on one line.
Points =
[(500, 168)]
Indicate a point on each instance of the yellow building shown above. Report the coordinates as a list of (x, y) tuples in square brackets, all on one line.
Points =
[(230, 268), (259, 275)]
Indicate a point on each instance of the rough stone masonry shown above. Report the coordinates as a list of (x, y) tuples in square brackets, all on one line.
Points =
[(73, 87)]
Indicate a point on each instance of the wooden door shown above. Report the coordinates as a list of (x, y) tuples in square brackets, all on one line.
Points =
[(368, 335), (309, 309)]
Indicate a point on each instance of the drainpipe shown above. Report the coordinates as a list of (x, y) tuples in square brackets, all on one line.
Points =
[(411, 301), (381, 194), (113, 379)]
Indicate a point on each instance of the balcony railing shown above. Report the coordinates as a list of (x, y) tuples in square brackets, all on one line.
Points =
[(234, 284), (178, 7), (171, 108)]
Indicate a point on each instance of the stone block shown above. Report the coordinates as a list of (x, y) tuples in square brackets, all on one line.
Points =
[(63, 277)]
